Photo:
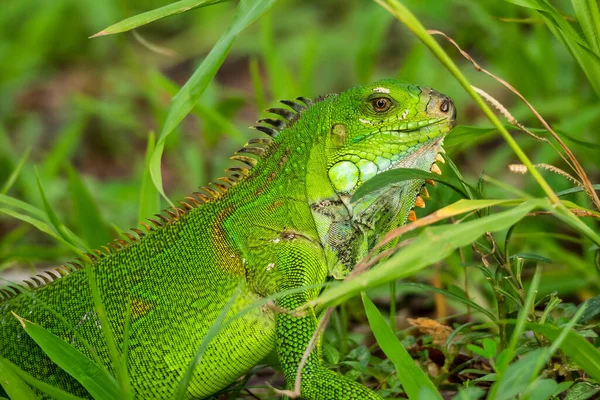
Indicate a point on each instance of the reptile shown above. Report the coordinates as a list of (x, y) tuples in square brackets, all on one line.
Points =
[(284, 220)]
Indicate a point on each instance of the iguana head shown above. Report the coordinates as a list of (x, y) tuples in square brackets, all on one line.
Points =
[(385, 125), (372, 129)]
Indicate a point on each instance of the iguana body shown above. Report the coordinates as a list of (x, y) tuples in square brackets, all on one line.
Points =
[(285, 223)]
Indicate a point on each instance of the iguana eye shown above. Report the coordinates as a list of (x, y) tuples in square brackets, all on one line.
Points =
[(445, 106), (381, 104)]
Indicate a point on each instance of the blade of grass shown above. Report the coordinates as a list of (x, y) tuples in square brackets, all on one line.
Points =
[(411, 376), (42, 386), (433, 244), (86, 212), (64, 146), (41, 226), (588, 60), (575, 190), (509, 353), (403, 14), (183, 102), (589, 17), (21, 205), (574, 345), (149, 197), (12, 384), (59, 227), (214, 330), (401, 174), (96, 380), (282, 84), (121, 373), (16, 171), (257, 83), (136, 21)]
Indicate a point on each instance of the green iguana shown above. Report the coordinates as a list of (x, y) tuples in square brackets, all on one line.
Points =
[(284, 220)]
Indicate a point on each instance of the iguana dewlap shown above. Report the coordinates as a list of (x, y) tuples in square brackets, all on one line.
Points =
[(283, 219)]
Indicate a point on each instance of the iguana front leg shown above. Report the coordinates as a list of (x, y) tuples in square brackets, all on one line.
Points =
[(302, 264)]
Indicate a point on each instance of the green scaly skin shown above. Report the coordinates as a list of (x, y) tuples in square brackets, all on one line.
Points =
[(286, 223)]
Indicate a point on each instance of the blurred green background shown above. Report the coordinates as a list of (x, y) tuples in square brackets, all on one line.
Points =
[(69, 101), (80, 114)]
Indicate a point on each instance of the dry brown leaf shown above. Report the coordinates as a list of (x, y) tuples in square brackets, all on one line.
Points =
[(438, 332)]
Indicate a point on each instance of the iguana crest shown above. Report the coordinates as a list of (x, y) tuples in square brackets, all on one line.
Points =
[(254, 150)]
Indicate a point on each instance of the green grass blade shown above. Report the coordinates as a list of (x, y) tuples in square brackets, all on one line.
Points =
[(589, 17), (401, 174), (41, 226), (96, 380), (411, 376), (136, 21), (214, 330), (257, 84), (433, 244), (503, 369), (65, 145), (149, 197), (21, 205), (575, 190), (42, 386), (403, 14), (183, 102), (574, 345), (16, 171), (588, 59), (121, 373), (59, 227), (281, 82), (86, 212), (12, 383)]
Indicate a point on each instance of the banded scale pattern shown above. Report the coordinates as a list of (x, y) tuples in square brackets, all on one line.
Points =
[(283, 219)]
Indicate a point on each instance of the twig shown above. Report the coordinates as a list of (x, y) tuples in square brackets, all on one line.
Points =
[(311, 346)]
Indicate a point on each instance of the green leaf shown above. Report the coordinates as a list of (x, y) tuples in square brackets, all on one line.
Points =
[(542, 389), (531, 257), (95, 379), (149, 197), (589, 18), (86, 212), (576, 190), (432, 245), (477, 350), (575, 346), (519, 375), (177, 7), (40, 225), (588, 59), (592, 308), (52, 391), (21, 205), (582, 391), (16, 171), (64, 146), (62, 231), (214, 330), (183, 102), (14, 386), (397, 175), (411, 376)]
